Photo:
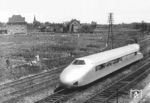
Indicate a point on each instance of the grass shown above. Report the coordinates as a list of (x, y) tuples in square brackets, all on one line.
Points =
[(24, 48)]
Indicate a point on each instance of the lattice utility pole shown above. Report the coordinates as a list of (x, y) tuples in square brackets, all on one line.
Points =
[(143, 29), (110, 30)]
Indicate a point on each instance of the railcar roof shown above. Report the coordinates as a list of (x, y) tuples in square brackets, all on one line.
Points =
[(111, 54)]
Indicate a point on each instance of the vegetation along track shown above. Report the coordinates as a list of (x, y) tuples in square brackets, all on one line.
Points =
[(30, 84), (122, 86)]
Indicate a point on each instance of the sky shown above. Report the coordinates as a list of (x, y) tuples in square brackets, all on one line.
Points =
[(58, 11)]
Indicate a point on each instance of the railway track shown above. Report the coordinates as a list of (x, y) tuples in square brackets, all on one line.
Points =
[(30, 78), (110, 93), (58, 97), (61, 96), (37, 87), (29, 85)]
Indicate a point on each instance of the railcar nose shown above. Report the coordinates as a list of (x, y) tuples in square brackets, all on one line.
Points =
[(68, 82), (71, 75)]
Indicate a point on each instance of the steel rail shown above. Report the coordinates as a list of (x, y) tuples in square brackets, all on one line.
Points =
[(30, 78), (111, 89), (29, 90), (57, 97), (60, 97)]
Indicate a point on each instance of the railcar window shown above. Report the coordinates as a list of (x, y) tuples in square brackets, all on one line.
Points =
[(120, 59), (102, 66), (99, 67), (79, 62), (108, 64), (117, 60)]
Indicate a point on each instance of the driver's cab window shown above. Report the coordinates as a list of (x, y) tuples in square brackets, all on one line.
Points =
[(78, 62)]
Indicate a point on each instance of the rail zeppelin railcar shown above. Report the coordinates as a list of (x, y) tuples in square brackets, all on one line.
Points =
[(88, 69)]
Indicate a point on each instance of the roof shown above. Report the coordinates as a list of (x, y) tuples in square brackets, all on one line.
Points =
[(111, 54), (75, 22)]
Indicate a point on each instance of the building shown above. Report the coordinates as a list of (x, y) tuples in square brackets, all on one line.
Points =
[(74, 26), (3, 29), (16, 25)]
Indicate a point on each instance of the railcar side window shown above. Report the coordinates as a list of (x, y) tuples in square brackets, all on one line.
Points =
[(116, 61), (78, 62), (102, 66), (99, 67), (108, 64)]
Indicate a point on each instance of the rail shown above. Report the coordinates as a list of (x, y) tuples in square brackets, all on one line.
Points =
[(106, 95), (49, 76)]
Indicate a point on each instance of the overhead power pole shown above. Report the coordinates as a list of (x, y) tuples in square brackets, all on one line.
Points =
[(110, 30)]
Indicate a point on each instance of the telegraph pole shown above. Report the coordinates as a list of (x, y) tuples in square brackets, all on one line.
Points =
[(143, 29), (110, 30)]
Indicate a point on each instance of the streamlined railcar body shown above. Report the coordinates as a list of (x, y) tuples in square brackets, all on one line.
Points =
[(85, 70)]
